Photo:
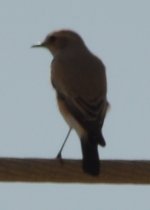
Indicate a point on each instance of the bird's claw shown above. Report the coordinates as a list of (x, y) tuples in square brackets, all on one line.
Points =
[(59, 156)]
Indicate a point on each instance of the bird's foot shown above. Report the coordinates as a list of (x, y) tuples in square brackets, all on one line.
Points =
[(59, 156)]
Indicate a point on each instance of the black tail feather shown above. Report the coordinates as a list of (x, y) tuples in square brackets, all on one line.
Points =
[(101, 139), (91, 163)]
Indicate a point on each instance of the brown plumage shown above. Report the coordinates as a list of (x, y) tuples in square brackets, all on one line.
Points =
[(79, 79)]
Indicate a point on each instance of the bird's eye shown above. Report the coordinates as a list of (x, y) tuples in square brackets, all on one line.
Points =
[(52, 38)]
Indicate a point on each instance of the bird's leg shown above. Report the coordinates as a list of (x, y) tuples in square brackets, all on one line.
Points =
[(60, 151)]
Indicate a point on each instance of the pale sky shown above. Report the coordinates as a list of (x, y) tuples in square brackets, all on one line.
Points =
[(31, 126)]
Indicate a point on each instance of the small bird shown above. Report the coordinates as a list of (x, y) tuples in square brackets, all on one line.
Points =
[(79, 78)]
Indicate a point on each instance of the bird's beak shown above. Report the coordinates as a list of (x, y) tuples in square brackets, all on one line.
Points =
[(39, 44)]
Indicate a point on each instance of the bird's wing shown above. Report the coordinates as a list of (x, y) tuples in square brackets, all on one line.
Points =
[(93, 109), (89, 116), (85, 104), (87, 113)]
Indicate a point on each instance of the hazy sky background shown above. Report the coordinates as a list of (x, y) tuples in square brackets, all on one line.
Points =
[(30, 124)]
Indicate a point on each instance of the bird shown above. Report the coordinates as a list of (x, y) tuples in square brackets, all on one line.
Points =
[(79, 79)]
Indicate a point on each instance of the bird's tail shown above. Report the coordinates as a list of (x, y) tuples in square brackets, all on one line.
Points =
[(101, 139), (91, 163)]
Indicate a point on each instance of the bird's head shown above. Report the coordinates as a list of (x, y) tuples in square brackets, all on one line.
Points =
[(60, 40)]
